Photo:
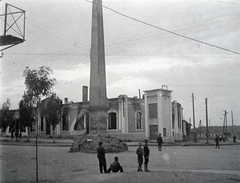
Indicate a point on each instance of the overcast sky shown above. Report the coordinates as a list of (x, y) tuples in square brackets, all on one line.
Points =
[(138, 56)]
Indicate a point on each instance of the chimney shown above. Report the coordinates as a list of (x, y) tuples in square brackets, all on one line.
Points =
[(65, 101), (84, 93)]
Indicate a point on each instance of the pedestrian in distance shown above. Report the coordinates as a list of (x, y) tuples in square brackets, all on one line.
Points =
[(234, 138), (224, 137), (16, 134), (12, 132), (217, 141), (160, 142), (146, 156), (101, 158), (139, 153), (115, 166)]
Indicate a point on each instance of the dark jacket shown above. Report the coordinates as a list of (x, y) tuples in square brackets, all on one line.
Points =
[(159, 140), (115, 166), (146, 150), (139, 151), (101, 152)]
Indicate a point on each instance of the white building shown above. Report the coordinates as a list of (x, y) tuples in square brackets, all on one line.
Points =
[(158, 114)]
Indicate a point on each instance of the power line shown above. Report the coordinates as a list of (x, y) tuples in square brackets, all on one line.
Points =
[(171, 32)]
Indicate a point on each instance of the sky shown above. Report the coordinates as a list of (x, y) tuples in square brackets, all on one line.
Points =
[(147, 46)]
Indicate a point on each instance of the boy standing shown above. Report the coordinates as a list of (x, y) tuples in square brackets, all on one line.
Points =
[(146, 156), (139, 153)]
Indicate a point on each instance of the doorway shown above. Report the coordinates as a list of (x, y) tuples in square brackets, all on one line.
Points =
[(153, 132)]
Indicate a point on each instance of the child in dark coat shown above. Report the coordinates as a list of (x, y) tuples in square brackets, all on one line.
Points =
[(115, 166), (139, 153)]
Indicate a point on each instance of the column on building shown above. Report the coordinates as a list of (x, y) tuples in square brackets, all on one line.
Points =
[(175, 120), (123, 113)]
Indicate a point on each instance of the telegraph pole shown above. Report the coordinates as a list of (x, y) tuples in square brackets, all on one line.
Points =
[(206, 120), (225, 124), (232, 124), (195, 138), (200, 128)]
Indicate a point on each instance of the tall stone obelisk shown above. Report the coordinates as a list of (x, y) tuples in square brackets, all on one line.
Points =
[(98, 94)]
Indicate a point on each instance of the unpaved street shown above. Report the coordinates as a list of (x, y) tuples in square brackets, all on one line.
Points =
[(173, 164)]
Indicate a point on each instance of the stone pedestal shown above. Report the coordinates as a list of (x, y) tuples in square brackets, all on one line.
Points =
[(98, 122)]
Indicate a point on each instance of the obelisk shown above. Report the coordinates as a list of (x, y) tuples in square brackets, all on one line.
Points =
[(98, 94)]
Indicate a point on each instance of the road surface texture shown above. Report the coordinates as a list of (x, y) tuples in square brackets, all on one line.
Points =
[(174, 164)]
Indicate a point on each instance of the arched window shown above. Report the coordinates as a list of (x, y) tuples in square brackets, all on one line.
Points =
[(79, 125), (65, 122), (138, 119)]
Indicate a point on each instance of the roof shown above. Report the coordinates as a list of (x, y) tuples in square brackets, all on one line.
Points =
[(157, 90)]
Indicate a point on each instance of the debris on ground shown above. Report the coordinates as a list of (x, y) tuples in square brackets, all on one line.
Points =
[(90, 143)]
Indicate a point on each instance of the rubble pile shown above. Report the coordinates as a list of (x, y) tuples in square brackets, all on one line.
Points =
[(89, 144)]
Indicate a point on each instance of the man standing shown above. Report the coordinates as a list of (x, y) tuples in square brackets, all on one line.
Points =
[(234, 138), (115, 166), (217, 141), (101, 158), (159, 141), (146, 156), (139, 153)]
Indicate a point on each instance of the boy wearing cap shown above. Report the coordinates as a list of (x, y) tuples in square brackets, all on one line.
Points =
[(146, 156)]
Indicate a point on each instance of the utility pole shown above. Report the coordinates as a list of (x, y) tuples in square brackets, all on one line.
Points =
[(206, 120), (195, 138), (200, 128), (225, 124), (232, 124)]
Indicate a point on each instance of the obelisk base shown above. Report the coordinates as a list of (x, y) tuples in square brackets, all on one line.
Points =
[(97, 122)]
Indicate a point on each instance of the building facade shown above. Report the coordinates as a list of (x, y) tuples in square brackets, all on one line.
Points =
[(158, 114), (125, 118)]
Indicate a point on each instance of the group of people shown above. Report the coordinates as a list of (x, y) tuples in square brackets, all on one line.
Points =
[(16, 130), (116, 167), (220, 138)]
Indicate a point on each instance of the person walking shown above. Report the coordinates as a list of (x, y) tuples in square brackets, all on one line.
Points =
[(139, 153), (217, 141), (146, 156), (101, 158), (234, 138), (115, 166), (160, 142)]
